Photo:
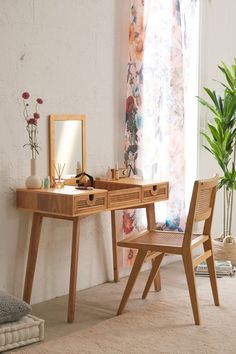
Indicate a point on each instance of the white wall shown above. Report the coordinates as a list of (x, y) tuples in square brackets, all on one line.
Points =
[(73, 54), (217, 44)]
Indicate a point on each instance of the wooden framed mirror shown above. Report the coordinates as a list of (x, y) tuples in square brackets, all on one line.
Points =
[(67, 146)]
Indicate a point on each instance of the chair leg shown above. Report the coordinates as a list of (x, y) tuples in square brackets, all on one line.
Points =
[(132, 278), (212, 273), (151, 221), (157, 281), (152, 275), (189, 271)]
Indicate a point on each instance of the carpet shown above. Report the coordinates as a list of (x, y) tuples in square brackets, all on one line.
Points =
[(163, 323)]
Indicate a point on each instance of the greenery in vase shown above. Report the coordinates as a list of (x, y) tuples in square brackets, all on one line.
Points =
[(31, 124), (221, 139)]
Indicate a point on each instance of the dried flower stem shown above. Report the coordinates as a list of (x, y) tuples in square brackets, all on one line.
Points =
[(25, 112)]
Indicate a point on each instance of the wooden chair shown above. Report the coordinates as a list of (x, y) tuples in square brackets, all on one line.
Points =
[(156, 243)]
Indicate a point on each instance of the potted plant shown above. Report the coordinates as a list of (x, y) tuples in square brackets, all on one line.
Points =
[(221, 143)]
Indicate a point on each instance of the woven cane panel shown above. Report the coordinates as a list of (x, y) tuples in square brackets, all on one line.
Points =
[(203, 205), (148, 193), (172, 239), (124, 197), (99, 203)]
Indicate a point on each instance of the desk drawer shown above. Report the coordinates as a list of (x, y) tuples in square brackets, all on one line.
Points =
[(124, 197), (90, 202), (155, 192)]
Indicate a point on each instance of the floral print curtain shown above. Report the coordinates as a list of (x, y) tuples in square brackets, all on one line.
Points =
[(161, 49)]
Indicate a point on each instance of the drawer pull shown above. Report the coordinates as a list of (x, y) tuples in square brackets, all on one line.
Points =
[(154, 190), (91, 200)]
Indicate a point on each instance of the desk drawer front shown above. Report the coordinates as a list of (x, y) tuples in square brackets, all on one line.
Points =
[(124, 197), (155, 192), (90, 202)]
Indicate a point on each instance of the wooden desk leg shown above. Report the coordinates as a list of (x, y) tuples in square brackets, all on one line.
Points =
[(73, 269), (32, 255), (151, 221), (114, 247)]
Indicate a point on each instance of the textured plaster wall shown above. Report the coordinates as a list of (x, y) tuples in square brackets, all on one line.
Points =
[(72, 54), (216, 44)]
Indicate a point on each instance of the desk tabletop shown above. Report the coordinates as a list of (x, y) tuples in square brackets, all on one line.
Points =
[(66, 190), (107, 195)]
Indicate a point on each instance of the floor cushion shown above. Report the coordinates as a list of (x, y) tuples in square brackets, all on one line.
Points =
[(29, 329)]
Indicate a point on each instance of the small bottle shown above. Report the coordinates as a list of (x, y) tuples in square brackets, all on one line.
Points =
[(46, 182), (116, 172)]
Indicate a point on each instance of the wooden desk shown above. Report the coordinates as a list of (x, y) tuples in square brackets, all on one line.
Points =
[(71, 204)]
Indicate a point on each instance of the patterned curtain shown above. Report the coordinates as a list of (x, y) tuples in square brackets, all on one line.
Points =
[(161, 50)]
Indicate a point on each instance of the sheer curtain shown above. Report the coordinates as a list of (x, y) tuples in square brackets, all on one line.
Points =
[(161, 89)]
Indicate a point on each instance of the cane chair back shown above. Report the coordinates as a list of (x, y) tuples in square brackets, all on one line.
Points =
[(201, 207)]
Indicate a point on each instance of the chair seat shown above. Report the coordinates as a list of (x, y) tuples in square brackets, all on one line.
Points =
[(160, 240), (156, 241)]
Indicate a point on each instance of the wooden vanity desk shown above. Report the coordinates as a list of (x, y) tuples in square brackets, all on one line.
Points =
[(71, 204)]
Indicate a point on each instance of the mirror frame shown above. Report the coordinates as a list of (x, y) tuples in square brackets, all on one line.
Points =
[(64, 117)]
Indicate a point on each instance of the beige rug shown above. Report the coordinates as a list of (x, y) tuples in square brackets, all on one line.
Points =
[(162, 323)]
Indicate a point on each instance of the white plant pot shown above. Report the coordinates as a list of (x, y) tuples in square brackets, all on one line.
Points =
[(33, 181)]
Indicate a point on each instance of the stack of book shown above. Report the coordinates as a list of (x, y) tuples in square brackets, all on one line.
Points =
[(223, 268)]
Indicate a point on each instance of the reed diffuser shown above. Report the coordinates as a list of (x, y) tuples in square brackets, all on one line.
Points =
[(59, 182)]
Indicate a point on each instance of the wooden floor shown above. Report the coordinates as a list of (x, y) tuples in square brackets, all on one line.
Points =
[(170, 313), (98, 303)]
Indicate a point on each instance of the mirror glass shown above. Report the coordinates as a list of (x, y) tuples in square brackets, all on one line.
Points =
[(67, 146)]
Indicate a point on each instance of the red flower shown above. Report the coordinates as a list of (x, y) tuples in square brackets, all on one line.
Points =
[(127, 223), (25, 95), (129, 104), (39, 101), (32, 121), (36, 115)]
